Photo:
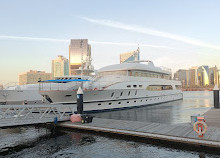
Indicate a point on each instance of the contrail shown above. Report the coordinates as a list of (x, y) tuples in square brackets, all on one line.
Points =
[(67, 41), (144, 30)]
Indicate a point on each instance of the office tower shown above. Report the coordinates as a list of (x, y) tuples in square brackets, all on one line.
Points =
[(32, 77), (203, 76), (60, 66), (184, 76), (194, 76), (80, 57), (130, 56), (213, 76)]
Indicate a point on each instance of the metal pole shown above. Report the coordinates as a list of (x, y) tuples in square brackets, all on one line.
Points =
[(216, 97), (79, 97)]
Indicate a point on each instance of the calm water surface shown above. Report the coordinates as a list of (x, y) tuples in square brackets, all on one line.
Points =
[(30, 142)]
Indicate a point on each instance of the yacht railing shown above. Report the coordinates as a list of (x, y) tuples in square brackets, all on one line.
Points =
[(73, 86)]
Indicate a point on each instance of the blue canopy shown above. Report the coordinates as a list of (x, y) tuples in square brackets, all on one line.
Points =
[(65, 81)]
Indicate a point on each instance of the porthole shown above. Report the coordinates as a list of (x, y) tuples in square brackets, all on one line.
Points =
[(68, 95), (135, 101), (127, 101), (134, 86), (129, 86), (119, 102), (109, 103), (140, 86), (99, 104), (112, 94)]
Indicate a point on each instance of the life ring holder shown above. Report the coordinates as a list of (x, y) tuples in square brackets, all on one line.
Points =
[(205, 127)]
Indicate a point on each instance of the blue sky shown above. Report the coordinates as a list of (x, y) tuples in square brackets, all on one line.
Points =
[(172, 33)]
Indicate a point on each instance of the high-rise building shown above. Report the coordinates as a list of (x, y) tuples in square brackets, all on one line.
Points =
[(130, 56), (80, 57), (183, 76), (33, 77), (213, 76), (203, 76), (60, 66), (194, 76)]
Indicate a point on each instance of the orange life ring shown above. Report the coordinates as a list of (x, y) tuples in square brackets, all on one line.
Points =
[(205, 127)]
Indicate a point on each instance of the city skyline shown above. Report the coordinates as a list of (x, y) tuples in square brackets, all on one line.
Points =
[(172, 34)]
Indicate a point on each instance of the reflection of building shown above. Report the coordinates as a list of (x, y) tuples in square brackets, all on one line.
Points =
[(80, 57), (203, 75), (130, 56), (213, 76), (33, 77), (60, 66)]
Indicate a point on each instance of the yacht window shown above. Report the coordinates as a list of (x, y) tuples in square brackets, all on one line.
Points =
[(99, 104), (159, 87), (129, 93), (119, 102), (112, 94), (127, 101), (121, 93), (140, 86), (136, 92), (134, 86), (129, 86), (135, 101), (109, 103)]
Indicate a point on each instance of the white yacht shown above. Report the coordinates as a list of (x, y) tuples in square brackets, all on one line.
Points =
[(120, 86), (29, 94)]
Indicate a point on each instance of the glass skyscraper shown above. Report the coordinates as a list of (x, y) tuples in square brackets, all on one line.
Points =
[(79, 56)]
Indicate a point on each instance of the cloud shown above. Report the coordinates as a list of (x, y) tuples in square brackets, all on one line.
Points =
[(144, 30), (67, 41)]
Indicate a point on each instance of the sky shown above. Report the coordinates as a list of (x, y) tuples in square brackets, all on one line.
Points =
[(175, 34)]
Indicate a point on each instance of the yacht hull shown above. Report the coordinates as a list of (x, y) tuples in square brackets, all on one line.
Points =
[(105, 100)]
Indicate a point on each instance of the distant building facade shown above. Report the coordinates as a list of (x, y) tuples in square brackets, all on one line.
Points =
[(198, 76), (79, 57), (32, 77), (213, 76), (130, 56), (203, 76), (184, 76), (194, 76), (60, 66)]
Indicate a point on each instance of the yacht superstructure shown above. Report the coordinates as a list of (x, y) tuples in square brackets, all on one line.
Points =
[(119, 86)]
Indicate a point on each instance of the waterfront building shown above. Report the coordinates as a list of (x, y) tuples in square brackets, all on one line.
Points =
[(213, 76), (130, 56), (183, 76), (194, 76), (203, 76), (80, 57), (60, 66), (32, 77)]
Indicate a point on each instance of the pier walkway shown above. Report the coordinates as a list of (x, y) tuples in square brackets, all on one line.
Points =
[(14, 115), (182, 133)]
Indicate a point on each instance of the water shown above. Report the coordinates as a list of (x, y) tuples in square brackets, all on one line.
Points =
[(196, 102), (27, 142)]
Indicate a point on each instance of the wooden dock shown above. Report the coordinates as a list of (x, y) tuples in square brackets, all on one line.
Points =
[(180, 133)]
